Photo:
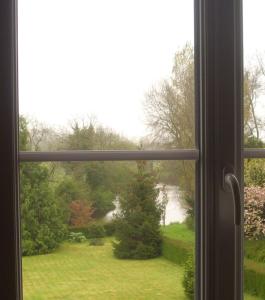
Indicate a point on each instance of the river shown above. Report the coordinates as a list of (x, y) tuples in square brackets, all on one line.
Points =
[(174, 211)]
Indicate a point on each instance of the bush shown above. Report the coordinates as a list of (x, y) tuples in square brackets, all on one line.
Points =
[(254, 213), (176, 251), (254, 280), (254, 172), (188, 278), (27, 247), (255, 250), (110, 228), (95, 231), (77, 237), (83, 230), (96, 242)]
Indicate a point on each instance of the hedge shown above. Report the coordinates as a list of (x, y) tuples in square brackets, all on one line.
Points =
[(254, 278), (176, 251), (179, 251)]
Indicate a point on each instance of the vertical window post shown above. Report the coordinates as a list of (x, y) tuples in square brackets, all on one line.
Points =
[(221, 72), (9, 224)]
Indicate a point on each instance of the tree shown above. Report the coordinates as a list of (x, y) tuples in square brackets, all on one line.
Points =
[(80, 213), (170, 115), (138, 222), (253, 88), (41, 219), (42, 228)]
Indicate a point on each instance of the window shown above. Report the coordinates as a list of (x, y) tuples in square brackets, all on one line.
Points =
[(217, 150)]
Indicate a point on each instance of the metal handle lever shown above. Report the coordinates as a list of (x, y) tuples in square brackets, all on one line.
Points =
[(231, 180)]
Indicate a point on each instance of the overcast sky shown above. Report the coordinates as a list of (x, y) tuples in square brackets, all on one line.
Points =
[(81, 58)]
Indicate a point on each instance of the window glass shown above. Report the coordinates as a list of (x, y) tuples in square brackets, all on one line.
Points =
[(107, 230), (118, 72)]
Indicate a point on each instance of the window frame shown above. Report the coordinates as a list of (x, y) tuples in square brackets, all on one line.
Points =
[(218, 122)]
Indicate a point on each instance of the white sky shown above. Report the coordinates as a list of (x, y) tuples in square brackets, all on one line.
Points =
[(80, 58)]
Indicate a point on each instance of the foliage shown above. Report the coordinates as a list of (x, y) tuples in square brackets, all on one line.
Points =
[(110, 228), (102, 201), (189, 277), (176, 251), (95, 231), (178, 242), (77, 237), (80, 213), (254, 213), (254, 172), (96, 242), (255, 250), (178, 231), (254, 279), (41, 221), (137, 223)]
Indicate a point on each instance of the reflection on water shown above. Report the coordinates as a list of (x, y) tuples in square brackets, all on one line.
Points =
[(174, 211)]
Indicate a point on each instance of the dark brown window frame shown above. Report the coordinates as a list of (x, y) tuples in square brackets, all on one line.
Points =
[(219, 114)]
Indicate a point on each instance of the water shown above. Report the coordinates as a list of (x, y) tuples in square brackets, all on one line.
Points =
[(174, 211)]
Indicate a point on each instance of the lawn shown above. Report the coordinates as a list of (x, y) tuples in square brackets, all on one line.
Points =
[(80, 271)]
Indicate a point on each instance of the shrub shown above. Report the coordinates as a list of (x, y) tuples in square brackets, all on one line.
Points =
[(77, 237), (80, 213), (176, 251), (255, 250), (95, 231), (96, 242), (188, 278), (254, 172), (27, 247), (254, 213), (83, 230), (110, 228), (254, 280)]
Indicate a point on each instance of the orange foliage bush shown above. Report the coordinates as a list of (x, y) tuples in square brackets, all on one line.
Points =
[(80, 213)]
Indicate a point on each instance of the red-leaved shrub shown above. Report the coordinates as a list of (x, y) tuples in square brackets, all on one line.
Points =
[(80, 213)]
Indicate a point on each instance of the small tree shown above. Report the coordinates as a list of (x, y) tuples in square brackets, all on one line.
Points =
[(138, 222), (80, 213)]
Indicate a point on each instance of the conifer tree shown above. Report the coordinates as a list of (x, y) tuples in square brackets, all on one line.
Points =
[(138, 221)]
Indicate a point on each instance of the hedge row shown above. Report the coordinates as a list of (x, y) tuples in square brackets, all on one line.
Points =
[(95, 230), (179, 251), (176, 251), (254, 278)]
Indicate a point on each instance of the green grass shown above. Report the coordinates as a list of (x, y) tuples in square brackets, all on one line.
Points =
[(178, 231), (80, 271)]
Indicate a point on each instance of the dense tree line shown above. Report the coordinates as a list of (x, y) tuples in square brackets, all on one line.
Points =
[(58, 196)]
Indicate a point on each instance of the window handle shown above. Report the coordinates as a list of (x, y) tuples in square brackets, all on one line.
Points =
[(231, 181)]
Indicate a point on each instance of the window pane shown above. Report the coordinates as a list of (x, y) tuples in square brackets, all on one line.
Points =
[(254, 73), (254, 229), (90, 229), (118, 72)]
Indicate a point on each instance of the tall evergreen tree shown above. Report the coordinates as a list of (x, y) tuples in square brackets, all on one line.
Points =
[(138, 222)]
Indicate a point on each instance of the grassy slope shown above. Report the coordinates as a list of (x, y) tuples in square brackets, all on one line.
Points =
[(179, 232), (80, 271)]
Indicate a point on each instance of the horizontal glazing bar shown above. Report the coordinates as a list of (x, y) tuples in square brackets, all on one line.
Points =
[(117, 155), (254, 153)]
